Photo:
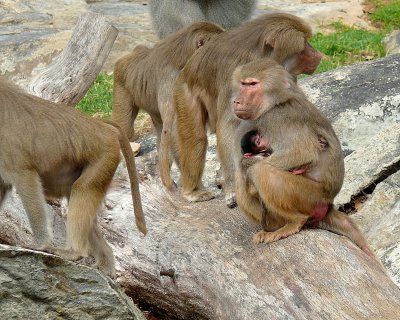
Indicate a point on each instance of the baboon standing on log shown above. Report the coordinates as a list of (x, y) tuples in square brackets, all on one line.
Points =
[(202, 91), (144, 79), (56, 151)]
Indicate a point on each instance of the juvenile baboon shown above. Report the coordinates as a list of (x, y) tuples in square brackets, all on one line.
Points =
[(169, 16), (144, 79), (202, 91), (267, 97), (50, 150)]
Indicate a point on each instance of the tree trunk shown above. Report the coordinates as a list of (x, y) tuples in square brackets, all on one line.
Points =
[(71, 74)]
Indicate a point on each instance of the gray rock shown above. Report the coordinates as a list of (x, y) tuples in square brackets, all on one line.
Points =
[(392, 42), (34, 32), (360, 100), (371, 163), (35, 285), (379, 218)]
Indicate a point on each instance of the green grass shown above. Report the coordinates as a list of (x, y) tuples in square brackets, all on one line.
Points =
[(98, 99), (387, 14), (347, 45)]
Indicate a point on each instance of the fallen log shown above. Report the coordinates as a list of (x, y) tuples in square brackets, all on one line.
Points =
[(198, 262)]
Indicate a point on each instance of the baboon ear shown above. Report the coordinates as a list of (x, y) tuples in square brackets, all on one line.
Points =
[(286, 83), (271, 43)]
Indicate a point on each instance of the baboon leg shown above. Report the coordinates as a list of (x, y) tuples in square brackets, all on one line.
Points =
[(191, 122), (158, 126), (227, 167), (284, 193), (289, 200), (247, 202), (4, 189), (29, 187), (164, 153), (102, 252), (86, 196)]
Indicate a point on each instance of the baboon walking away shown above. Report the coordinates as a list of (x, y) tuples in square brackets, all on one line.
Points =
[(144, 79), (50, 150)]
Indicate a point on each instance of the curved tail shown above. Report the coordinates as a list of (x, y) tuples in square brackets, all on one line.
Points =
[(340, 223), (131, 167)]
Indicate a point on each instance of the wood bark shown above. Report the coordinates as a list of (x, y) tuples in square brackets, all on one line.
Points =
[(71, 74)]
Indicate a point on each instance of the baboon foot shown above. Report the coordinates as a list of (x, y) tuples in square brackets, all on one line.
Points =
[(68, 254), (42, 245), (230, 199), (268, 237), (107, 267), (265, 237), (198, 196), (170, 185)]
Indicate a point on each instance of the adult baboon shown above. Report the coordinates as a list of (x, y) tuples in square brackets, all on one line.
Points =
[(298, 182), (202, 91), (56, 151), (144, 79), (168, 16)]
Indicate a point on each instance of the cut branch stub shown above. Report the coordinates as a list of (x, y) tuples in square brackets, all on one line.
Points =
[(70, 75)]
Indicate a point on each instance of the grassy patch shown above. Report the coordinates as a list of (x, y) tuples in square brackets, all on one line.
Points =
[(385, 14), (347, 45), (98, 99), (98, 102)]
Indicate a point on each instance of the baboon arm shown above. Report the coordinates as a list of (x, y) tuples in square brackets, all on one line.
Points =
[(287, 162), (248, 162), (302, 152)]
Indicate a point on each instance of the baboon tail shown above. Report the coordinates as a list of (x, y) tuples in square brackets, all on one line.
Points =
[(133, 178), (340, 223)]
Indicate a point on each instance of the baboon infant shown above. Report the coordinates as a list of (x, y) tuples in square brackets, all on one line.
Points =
[(56, 151)]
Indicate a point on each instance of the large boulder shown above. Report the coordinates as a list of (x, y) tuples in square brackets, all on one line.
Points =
[(392, 42), (36, 285)]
